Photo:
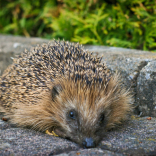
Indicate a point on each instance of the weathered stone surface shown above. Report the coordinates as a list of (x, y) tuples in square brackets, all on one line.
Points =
[(91, 152), (136, 137), (146, 89), (11, 46)]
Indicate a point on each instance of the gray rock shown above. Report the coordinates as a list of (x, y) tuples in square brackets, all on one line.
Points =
[(4, 145), (135, 137), (92, 152), (11, 46), (146, 89)]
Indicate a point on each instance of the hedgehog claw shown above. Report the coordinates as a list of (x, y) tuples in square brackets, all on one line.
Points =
[(51, 133)]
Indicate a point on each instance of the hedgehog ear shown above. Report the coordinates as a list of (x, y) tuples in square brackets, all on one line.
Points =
[(56, 91)]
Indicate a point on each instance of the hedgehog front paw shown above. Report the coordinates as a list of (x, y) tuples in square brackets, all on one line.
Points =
[(51, 133)]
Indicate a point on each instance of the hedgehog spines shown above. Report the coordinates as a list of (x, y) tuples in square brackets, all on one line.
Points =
[(47, 83)]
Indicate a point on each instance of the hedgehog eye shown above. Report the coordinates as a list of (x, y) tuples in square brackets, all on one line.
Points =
[(102, 117), (72, 115)]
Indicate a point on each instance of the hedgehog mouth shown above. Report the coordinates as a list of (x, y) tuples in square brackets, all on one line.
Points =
[(87, 142), (58, 131)]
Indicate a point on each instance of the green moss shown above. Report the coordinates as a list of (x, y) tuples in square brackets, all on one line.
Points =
[(150, 139)]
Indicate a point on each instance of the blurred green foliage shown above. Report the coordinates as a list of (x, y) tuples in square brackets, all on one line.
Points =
[(121, 23)]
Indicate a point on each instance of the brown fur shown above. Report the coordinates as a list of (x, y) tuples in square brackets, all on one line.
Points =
[(97, 105)]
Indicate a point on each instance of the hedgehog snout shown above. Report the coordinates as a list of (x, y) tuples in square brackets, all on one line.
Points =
[(88, 143)]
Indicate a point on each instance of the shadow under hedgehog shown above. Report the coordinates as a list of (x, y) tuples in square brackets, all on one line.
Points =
[(60, 87)]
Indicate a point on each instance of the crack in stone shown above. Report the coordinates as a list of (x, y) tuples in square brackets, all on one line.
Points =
[(140, 67)]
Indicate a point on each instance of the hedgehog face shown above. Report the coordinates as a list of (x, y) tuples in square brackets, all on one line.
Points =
[(82, 119), (77, 111), (86, 131), (83, 127), (85, 113)]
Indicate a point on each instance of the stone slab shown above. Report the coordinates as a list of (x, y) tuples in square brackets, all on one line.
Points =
[(136, 137), (146, 89)]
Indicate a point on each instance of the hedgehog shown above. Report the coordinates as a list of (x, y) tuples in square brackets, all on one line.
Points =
[(62, 88)]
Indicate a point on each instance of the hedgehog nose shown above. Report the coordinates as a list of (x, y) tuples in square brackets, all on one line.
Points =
[(88, 143)]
